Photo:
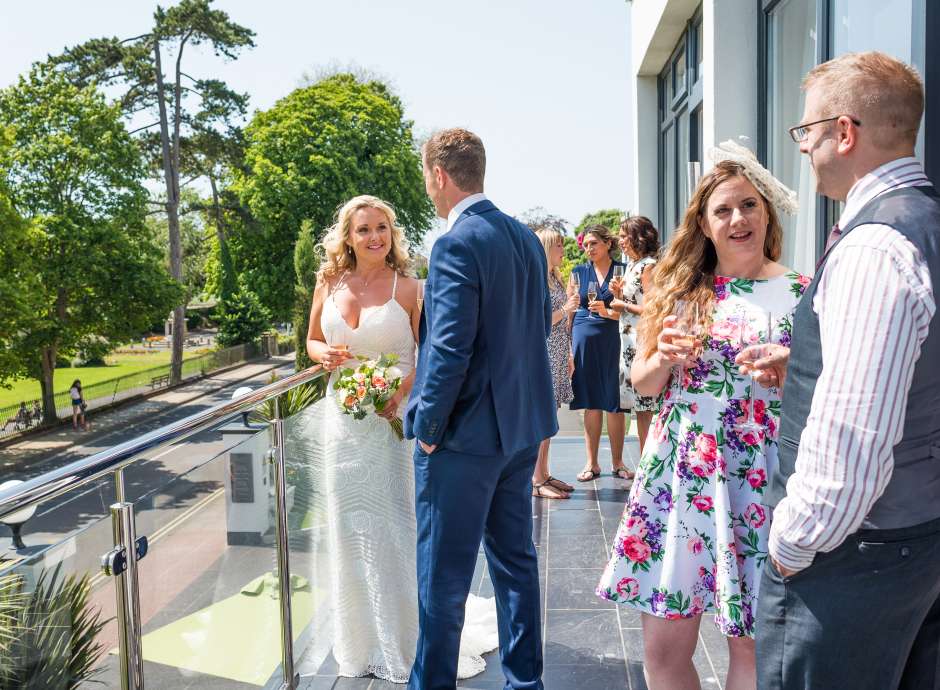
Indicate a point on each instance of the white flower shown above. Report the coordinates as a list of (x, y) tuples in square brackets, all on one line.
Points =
[(393, 373)]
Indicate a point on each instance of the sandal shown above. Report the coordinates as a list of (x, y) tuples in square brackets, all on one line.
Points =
[(539, 491), (623, 473), (556, 483), (588, 475)]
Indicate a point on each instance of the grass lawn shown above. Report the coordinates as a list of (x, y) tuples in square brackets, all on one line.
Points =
[(119, 364)]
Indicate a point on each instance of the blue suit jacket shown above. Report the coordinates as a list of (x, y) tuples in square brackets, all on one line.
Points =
[(483, 384)]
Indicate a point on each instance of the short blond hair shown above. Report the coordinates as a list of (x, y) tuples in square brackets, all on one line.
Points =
[(459, 153), (885, 94), (336, 254)]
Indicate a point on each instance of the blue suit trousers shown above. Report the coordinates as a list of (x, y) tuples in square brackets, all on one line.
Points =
[(460, 501)]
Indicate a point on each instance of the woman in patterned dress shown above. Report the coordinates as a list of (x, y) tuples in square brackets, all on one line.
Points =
[(693, 536), (639, 241), (544, 485)]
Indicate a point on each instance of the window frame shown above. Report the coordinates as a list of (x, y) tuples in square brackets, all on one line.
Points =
[(676, 110), (827, 211)]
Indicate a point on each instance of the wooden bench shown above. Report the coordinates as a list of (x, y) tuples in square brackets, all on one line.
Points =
[(157, 381)]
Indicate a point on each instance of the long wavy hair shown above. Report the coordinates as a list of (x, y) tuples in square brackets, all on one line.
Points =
[(337, 257), (687, 269)]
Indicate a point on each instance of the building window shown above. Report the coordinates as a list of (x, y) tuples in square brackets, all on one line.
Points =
[(791, 53), (895, 27), (797, 35), (680, 123)]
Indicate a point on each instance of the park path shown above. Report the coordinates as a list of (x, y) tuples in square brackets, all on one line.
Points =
[(41, 452)]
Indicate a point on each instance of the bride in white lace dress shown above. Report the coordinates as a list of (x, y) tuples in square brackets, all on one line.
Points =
[(364, 305)]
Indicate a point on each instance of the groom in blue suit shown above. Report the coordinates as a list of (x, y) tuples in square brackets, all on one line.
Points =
[(482, 402)]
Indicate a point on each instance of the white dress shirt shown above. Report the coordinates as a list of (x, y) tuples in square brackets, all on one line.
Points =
[(462, 206), (874, 301)]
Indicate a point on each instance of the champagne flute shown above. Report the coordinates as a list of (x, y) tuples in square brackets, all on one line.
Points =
[(618, 276), (591, 293), (420, 295), (686, 314), (342, 347), (575, 283), (764, 334)]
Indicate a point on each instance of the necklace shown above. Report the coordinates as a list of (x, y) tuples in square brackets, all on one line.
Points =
[(365, 282)]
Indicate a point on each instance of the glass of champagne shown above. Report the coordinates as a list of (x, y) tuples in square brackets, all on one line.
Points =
[(686, 314), (420, 295), (342, 347), (618, 276), (764, 333), (592, 294)]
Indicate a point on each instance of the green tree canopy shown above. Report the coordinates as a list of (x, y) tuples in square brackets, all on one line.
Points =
[(307, 155), (90, 265), (197, 134), (608, 217)]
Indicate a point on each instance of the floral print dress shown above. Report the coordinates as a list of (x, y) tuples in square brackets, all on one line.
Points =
[(632, 293), (559, 347), (693, 536)]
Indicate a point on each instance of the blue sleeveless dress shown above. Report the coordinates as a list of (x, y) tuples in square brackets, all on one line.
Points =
[(596, 346)]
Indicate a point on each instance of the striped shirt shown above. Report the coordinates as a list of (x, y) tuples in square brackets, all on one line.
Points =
[(874, 301)]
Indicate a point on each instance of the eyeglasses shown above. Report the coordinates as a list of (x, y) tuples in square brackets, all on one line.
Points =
[(800, 132)]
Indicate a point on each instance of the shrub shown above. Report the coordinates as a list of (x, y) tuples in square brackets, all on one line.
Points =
[(48, 637), (242, 318), (91, 352)]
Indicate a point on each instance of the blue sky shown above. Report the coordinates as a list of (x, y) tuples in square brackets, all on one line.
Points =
[(545, 83)]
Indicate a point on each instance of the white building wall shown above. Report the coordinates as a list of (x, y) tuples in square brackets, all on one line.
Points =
[(729, 74), (646, 145)]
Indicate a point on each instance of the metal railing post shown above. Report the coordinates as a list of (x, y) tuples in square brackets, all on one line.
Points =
[(283, 553), (128, 596)]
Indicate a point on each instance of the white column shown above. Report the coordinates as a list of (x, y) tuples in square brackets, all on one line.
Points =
[(730, 64), (646, 172)]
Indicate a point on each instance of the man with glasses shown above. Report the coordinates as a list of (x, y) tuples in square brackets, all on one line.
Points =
[(851, 595)]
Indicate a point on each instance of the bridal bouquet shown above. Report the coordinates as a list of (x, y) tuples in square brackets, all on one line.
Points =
[(369, 387)]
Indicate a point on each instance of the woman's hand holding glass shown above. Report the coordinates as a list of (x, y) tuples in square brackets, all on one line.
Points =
[(572, 304), (333, 358), (616, 286), (683, 345), (674, 347), (597, 307)]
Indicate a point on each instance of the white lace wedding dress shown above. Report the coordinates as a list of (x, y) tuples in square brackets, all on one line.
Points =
[(367, 476)]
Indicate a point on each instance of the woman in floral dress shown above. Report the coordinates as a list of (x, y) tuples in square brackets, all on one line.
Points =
[(639, 241), (693, 536), (544, 485)]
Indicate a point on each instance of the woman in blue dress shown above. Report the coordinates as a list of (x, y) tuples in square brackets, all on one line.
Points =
[(595, 337)]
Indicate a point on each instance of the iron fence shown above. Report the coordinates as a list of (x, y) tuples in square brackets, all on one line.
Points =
[(104, 393)]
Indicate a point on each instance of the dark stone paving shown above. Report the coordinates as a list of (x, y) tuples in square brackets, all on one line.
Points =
[(589, 643)]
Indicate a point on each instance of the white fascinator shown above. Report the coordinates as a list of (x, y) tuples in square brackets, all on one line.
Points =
[(782, 197)]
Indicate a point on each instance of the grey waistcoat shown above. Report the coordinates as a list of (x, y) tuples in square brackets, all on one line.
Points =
[(913, 493)]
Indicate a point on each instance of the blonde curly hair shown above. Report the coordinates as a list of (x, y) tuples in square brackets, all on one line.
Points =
[(687, 269), (337, 256)]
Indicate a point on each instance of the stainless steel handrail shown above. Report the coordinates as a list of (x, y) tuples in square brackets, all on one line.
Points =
[(57, 482), (113, 461)]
